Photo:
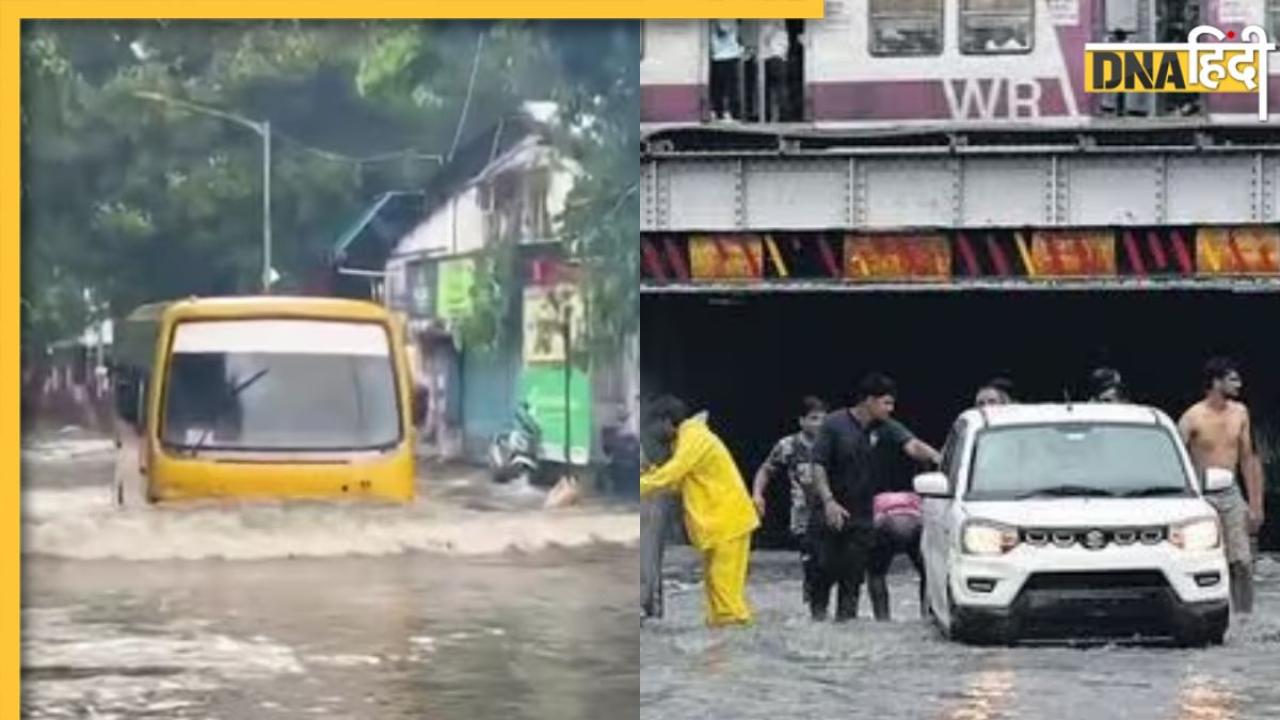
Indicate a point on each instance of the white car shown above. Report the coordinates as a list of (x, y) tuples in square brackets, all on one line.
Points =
[(1062, 521)]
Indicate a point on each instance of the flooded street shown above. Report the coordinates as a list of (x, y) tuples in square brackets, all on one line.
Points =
[(464, 605), (786, 666)]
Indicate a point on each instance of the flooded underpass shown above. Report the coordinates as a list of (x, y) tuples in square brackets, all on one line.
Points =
[(940, 346), (467, 604), (787, 666)]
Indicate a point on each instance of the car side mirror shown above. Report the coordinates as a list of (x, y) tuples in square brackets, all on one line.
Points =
[(932, 484), (1218, 479)]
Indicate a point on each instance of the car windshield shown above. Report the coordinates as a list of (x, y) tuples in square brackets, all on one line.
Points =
[(280, 385), (1085, 460)]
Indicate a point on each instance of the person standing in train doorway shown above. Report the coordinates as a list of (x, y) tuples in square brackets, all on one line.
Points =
[(774, 48), (1218, 434), (726, 66)]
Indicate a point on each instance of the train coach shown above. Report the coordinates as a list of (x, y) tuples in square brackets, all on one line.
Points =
[(876, 63)]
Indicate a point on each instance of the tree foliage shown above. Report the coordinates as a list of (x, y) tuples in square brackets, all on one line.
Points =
[(602, 221), (137, 200)]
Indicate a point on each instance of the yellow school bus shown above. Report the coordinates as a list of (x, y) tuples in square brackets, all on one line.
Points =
[(263, 397)]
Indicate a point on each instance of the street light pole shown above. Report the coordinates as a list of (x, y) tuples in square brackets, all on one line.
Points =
[(263, 129), (266, 207), (568, 384)]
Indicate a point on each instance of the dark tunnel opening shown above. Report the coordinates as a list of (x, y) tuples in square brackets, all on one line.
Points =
[(748, 358)]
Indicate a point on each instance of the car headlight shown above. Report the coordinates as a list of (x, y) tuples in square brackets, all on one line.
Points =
[(1199, 534), (982, 537)]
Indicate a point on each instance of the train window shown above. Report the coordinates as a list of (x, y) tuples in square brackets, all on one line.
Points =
[(996, 27), (905, 27)]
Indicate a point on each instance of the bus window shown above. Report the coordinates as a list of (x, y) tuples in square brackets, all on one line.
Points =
[(281, 385), (905, 27), (996, 27)]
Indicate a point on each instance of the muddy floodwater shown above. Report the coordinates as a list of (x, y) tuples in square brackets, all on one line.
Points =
[(469, 604), (789, 667)]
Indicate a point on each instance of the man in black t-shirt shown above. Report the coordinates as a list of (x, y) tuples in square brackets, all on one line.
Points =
[(844, 484)]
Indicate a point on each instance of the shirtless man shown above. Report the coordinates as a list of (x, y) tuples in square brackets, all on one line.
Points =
[(1218, 434)]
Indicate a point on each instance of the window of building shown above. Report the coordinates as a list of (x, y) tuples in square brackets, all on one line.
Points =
[(419, 288), (905, 27), (535, 221), (997, 27)]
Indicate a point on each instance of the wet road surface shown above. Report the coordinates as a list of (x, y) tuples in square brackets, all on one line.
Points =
[(466, 605), (788, 667)]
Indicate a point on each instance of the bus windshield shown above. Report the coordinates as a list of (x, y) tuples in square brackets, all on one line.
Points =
[(280, 385)]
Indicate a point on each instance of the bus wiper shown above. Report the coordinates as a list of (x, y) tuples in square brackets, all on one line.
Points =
[(1157, 490), (235, 393), (1067, 491)]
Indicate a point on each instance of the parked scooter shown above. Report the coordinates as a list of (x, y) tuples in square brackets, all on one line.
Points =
[(513, 453)]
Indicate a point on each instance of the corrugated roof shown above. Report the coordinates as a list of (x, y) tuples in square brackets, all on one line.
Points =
[(351, 233)]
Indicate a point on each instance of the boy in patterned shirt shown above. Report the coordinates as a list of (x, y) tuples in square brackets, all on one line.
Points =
[(790, 458)]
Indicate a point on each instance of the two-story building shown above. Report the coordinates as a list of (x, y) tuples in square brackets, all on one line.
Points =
[(506, 185)]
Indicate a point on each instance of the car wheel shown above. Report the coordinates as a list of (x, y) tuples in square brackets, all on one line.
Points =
[(930, 614), (936, 622), (1218, 628), (957, 630), (1210, 632), (969, 633)]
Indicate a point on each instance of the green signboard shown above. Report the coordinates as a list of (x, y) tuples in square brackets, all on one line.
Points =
[(543, 387), (453, 283)]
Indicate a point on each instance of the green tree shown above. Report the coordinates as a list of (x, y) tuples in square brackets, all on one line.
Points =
[(601, 224), (137, 201)]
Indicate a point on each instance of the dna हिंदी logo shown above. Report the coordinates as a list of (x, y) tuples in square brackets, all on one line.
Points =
[(1196, 66)]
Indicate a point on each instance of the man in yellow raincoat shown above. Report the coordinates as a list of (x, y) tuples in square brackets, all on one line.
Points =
[(718, 512)]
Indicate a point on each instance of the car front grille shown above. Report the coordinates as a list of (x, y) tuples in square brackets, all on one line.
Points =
[(1093, 538)]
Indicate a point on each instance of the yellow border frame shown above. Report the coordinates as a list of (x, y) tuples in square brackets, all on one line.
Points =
[(13, 12), (409, 9)]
